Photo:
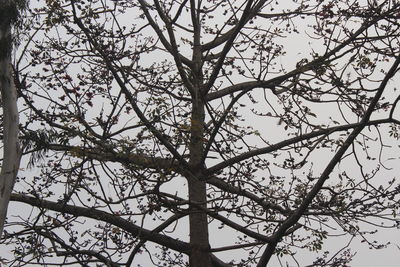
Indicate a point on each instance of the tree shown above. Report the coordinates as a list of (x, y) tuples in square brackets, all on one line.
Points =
[(179, 130), (9, 15)]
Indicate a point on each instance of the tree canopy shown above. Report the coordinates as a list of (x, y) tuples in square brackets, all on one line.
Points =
[(204, 133)]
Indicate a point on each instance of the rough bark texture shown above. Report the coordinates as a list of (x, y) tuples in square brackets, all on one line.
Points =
[(11, 150)]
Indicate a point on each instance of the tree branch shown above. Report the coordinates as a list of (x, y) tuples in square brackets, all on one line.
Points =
[(228, 46), (296, 215), (103, 216), (126, 225), (101, 154), (256, 152), (127, 93)]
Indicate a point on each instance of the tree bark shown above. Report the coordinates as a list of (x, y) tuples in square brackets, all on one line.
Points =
[(198, 225), (199, 240), (11, 149), (200, 255)]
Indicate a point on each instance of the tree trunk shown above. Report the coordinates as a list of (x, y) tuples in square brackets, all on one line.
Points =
[(11, 150), (199, 255), (199, 240)]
